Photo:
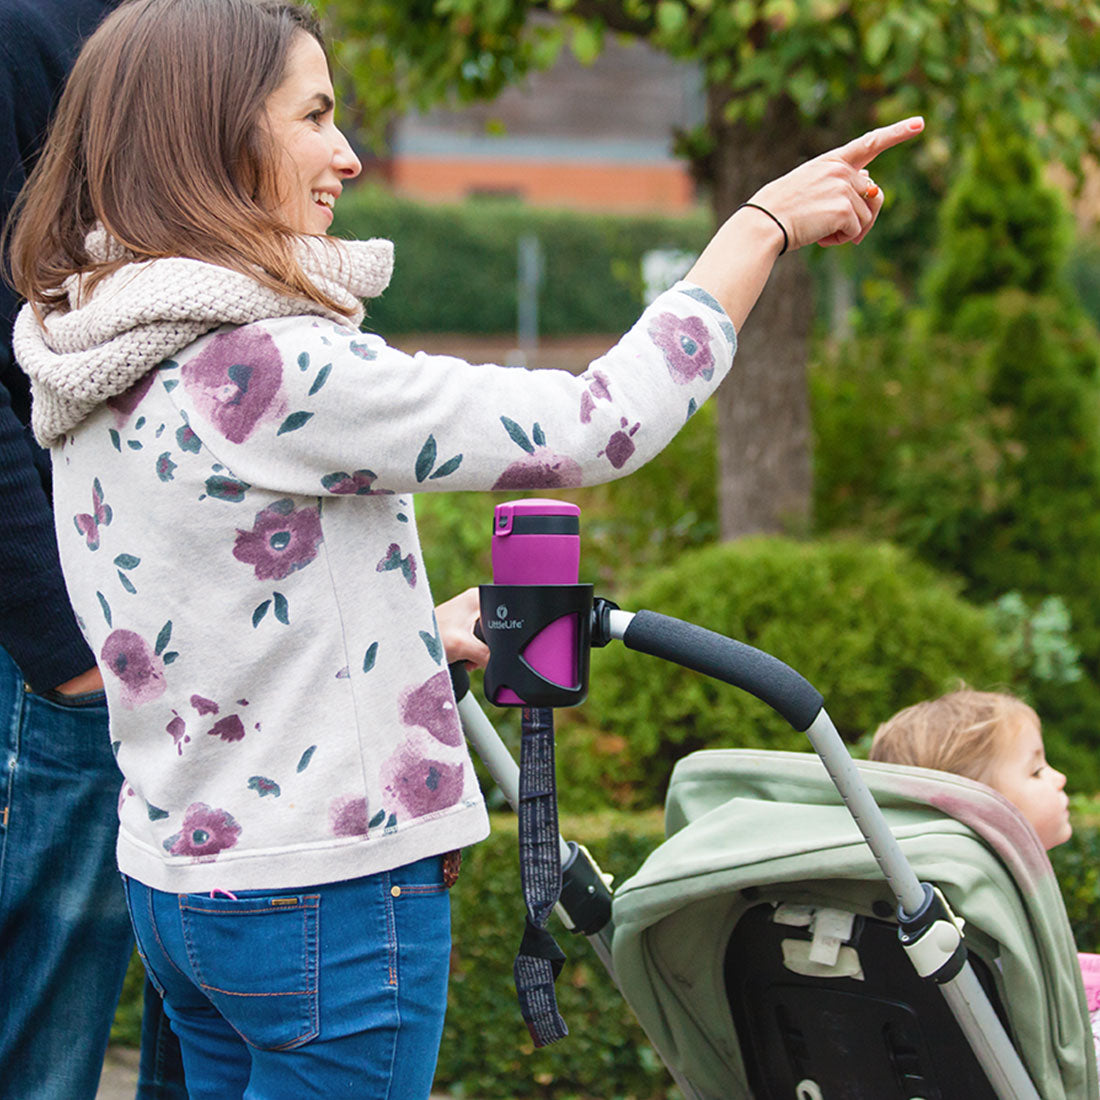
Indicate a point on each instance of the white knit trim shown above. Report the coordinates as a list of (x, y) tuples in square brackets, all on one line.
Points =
[(147, 312)]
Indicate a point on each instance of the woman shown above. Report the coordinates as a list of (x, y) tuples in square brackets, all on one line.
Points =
[(234, 466)]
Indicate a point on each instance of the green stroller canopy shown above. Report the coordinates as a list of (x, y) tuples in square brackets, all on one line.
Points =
[(746, 827)]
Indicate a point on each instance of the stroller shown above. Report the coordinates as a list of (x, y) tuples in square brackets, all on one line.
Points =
[(815, 929), (759, 945)]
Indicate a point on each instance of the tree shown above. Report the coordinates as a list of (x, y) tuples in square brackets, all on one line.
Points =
[(785, 79)]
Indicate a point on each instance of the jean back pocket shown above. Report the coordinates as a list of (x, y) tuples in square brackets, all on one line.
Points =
[(256, 958)]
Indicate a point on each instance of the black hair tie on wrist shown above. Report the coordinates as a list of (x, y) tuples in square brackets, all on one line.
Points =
[(763, 210)]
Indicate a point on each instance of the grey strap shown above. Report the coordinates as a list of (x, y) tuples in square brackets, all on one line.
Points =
[(540, 959)]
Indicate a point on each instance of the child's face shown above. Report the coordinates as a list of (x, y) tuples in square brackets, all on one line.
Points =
[(1024, 777)]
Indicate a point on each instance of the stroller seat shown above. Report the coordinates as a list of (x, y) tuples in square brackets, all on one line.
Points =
[(758, 944)]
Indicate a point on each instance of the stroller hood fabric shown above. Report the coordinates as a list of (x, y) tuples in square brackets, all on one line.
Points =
[(774, 821)]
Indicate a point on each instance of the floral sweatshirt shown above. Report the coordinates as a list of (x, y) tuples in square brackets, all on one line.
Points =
[(237, 535)]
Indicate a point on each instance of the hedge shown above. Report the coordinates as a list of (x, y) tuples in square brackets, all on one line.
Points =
[(456, 264), (867, 624)]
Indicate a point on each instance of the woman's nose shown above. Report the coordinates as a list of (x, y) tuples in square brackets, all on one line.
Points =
[(344, 160)]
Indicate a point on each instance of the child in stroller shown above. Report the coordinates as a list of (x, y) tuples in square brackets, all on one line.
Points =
[(996, 739), (727, 942)]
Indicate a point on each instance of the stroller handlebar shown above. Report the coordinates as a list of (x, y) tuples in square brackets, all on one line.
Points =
[(787, 692)]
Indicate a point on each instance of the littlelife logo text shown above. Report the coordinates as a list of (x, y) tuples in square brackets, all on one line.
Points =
[(502, 622)]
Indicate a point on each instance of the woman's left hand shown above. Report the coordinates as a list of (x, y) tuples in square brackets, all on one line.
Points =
[(456, 619)]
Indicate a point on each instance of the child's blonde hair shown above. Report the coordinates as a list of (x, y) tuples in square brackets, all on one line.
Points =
[(963, 732)]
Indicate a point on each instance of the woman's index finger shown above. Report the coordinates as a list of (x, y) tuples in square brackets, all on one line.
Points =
[(860, 151)]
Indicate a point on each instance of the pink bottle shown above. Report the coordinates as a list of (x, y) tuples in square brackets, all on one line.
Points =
[(538, 542)]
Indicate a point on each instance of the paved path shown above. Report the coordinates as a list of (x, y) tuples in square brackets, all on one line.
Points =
[(119, 1074)]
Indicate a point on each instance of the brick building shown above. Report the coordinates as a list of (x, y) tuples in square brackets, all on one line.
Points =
[(596, 136)]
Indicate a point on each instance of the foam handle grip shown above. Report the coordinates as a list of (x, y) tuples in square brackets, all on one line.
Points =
[(787, 692)]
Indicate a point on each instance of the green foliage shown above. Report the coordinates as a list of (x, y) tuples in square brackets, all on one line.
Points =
[(980, 450), (1084, 274), (949, 59), (1000, 228), (1037, 642), (981, 460), (487, 1052), (456, 264), (126, 1028), (1077, 866), (871, 628)]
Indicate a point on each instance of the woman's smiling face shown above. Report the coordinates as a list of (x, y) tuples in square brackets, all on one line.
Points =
[(314, 156)]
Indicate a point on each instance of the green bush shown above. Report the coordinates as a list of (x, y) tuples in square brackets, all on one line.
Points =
[(487, 1052), (971, 433), (455, 268), (904, 444), (1077, 865), (873, 629), (1084, 275)]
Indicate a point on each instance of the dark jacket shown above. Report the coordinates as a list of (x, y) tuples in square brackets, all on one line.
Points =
[(38, 41)]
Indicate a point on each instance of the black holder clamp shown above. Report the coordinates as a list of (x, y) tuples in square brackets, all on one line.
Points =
[(512, 615)]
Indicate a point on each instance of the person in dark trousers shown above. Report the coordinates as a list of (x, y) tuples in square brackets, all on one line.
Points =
[(65, 937)]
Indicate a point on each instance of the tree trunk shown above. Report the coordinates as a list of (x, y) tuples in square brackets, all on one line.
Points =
[(763, 411)]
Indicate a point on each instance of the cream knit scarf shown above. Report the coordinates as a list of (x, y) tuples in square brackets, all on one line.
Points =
[(147, 312)]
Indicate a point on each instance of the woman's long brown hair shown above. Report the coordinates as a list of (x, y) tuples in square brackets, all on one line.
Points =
[(160, 138)]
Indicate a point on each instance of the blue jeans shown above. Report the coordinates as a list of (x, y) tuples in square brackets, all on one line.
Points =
[(65, 939), (335, 990)]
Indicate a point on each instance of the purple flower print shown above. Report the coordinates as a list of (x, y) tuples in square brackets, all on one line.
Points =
[(432, 706), (355, 484), (235, 381), (123, 404), (204, 706), (141, 671), (88, 524), (686, 344), (541, 470), (421, 785), (178, 729), (597, 391), (620, 446), (205, 833), (348, 816), (394, 560), (282, 540), (229, 728)]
